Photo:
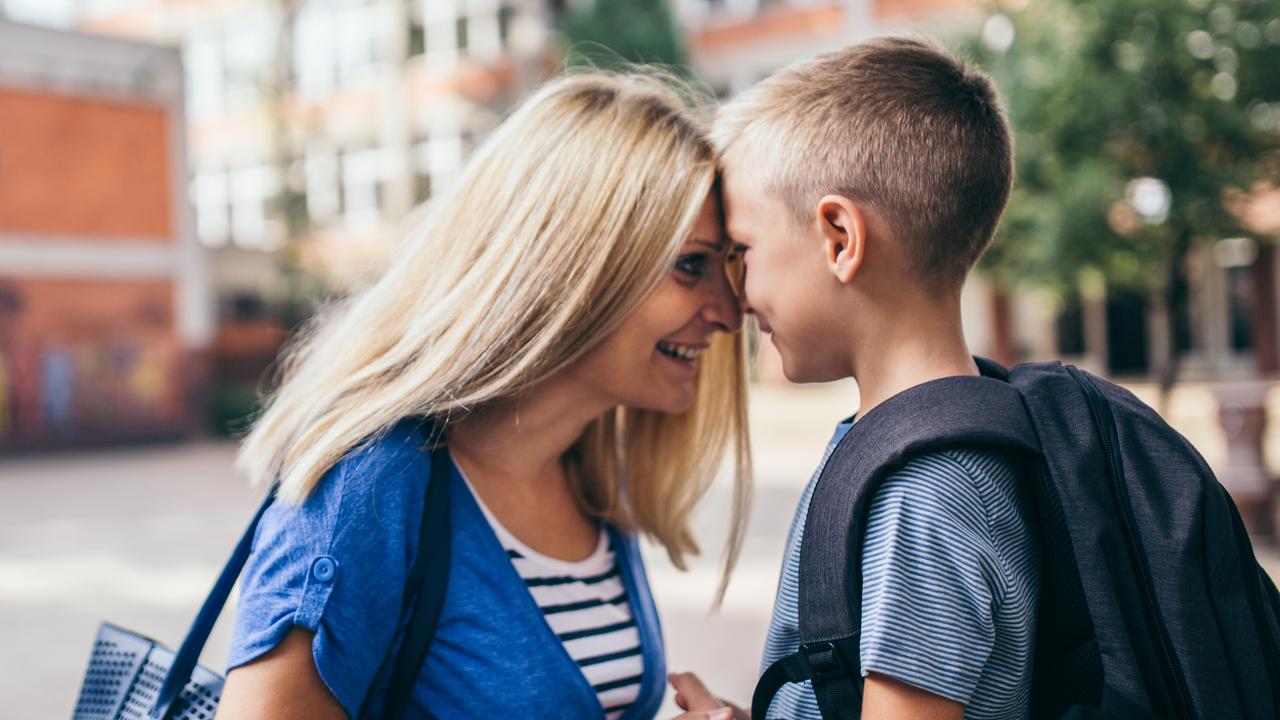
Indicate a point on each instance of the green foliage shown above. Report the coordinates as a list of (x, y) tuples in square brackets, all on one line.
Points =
[(611, 34), (1101, 94)]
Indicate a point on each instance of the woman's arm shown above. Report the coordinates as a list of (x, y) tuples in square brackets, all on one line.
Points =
[(283, 684)]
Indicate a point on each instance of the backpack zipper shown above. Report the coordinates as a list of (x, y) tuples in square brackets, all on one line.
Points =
[(1104, 423)]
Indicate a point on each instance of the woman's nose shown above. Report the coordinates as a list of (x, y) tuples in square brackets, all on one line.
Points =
[(723, 308)]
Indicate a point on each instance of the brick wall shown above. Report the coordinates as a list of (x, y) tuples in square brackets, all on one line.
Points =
[(88, 359), (86, 355), (85, 167)]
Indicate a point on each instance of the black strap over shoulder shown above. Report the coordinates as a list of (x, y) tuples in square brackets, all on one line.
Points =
[(426, 584), (970, 412)]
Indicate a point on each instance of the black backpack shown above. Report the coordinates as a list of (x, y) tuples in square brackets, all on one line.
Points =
[(1152, 604)]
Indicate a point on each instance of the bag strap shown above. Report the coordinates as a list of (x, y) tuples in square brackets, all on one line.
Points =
[(824, 661), (430, 578), (184, 661), (950, 412), (431, 567)]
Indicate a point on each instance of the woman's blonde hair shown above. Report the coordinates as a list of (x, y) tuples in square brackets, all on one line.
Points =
[(561, 223)]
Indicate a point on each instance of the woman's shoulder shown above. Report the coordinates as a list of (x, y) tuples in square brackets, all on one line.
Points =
[(388, 472), (400, 451), (337, 563), (369, 502)]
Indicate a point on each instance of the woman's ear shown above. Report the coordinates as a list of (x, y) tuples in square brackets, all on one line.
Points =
[(843, 227)]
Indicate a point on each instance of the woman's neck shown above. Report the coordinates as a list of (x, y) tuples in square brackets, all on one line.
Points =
[(523, 440), (512, 455)]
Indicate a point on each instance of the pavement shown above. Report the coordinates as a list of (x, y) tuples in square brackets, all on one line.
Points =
[(136, 536)]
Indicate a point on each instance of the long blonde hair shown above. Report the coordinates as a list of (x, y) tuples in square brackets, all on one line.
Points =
[(563, 220)]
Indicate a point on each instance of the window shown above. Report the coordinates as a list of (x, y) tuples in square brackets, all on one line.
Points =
[(440, 28), (313, 53), (324, 199), (436, 163), (506, 18), (210, 197), (421, 186), (206, 80), (1070, 328), (355, 41), (1240, 307), (252, 189), (417, 44), (363, 174), (463, 25), (250, 50)]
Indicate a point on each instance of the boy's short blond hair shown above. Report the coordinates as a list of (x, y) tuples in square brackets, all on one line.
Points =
[(896, 123)]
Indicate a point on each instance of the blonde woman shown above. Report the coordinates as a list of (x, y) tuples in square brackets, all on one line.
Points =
[(565, 321)]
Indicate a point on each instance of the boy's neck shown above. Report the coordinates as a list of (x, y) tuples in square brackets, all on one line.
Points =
[(908, 347)]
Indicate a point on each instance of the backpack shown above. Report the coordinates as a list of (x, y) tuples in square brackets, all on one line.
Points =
[(1152, 604)]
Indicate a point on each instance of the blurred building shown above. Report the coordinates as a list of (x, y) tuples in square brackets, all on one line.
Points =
[(105, 313), (315, 125), (325, 121)]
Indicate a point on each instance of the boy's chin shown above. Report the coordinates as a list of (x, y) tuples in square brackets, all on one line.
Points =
[(797, 371)]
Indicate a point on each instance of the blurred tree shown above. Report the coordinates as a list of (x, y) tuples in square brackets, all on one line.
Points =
[(1140, 124), (609, 33)]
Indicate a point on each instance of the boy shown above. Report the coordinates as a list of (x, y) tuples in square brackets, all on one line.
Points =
[(862, 188)]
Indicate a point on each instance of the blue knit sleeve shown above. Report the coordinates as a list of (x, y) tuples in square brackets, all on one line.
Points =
[(337, 565)]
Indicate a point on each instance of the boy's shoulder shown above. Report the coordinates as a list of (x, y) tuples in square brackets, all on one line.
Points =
[(966, 483)]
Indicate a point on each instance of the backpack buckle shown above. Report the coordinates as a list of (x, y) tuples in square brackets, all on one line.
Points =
[(824, 660)]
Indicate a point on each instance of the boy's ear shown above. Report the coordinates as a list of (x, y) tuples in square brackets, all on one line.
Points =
[(843, 227)]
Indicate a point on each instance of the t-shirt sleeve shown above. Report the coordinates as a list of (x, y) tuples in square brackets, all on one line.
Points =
[(337, 565), (931, 580)]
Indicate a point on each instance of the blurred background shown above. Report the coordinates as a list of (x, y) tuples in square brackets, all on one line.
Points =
[(183, 182)]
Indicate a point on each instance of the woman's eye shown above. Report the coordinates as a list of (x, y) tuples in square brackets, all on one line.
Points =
[(692, 265)]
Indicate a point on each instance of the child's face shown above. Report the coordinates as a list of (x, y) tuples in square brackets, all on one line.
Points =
[(787, 281)]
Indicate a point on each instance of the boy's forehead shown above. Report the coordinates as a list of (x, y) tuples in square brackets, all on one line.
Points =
[(746, 202)]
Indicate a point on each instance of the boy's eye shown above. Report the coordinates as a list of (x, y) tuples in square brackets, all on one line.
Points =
[(692, 265)]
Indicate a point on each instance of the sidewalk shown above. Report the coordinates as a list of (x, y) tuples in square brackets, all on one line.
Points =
[(136, 536)]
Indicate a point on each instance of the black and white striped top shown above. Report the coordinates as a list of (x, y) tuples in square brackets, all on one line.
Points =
[(585, 604)]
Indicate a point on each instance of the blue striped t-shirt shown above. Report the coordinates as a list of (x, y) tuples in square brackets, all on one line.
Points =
[(950, 585)]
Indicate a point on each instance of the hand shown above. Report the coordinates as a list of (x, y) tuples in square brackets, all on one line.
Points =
[(701, 704)]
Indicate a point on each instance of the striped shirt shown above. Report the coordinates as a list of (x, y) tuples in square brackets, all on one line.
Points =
[(585, 604), (950, 585)]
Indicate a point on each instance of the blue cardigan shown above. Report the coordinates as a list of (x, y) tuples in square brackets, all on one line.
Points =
[(337, 565)]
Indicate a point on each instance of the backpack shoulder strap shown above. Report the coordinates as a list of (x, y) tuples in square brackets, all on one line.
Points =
[(952, 412), (971, 412)]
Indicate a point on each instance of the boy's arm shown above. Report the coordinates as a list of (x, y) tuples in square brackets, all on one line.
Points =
[(884, 698)]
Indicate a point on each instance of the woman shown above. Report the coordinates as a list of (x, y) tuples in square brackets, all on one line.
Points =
[(565, 320)]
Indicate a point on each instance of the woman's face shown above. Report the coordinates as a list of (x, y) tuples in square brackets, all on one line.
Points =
[(651, 360)]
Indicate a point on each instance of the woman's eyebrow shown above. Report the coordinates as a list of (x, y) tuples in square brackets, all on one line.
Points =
[(718, 247)]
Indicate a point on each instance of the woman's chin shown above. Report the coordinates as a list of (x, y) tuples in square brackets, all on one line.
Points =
[(671, 402)]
